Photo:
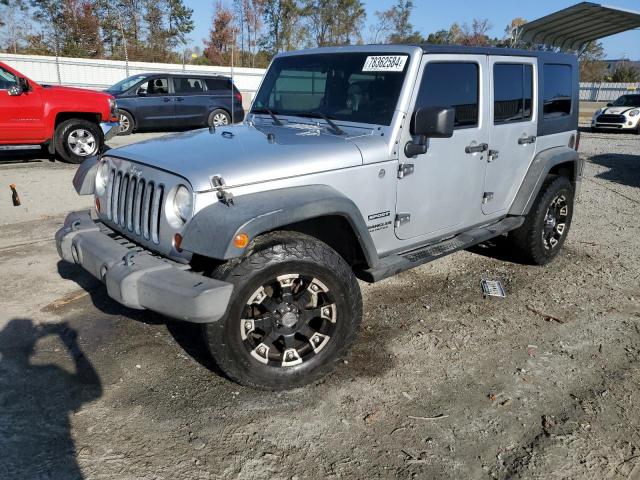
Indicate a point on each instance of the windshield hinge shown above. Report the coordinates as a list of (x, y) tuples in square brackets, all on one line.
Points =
[(402, 218), (224, 196), (405, 169)]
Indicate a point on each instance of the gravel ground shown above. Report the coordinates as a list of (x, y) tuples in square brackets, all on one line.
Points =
[(441, 383)]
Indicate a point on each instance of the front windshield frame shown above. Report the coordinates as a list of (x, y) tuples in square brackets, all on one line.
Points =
[(627, 101), (129, 81), (341, 75)]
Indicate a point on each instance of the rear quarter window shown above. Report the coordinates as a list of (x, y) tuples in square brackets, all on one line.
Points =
[(557, 90)]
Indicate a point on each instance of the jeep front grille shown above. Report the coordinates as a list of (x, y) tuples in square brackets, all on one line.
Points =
[(134, 204)]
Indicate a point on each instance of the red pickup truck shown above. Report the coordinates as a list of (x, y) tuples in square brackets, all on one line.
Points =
[(71, 122)]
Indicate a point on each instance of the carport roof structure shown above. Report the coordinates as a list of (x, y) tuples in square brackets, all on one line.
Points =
[(575, 26)]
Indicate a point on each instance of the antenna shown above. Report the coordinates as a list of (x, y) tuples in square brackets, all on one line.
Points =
[(233, 42)]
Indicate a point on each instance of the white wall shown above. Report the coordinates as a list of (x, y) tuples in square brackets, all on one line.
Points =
[(100, 74)]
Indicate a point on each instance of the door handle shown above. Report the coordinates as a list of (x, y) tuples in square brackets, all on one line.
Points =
[(481, 147), (526, 140), (166, 99), (179, 99)]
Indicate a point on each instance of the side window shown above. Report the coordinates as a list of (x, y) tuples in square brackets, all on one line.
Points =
[(557, 90), (156, 86), (451, 84), (219, 84), (7, 79), (512, 92), (183, 85)]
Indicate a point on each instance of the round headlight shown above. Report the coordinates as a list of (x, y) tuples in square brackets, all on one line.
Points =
[(102, 177), (183, 203), (633, 113)]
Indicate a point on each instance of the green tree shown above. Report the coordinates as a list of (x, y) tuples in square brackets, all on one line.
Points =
[(334, 22), (283, 24), (403, 31), (625, 74)]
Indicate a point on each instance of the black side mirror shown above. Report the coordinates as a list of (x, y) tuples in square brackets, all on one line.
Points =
[(24, 84), (609, 104), (433, 122), (142, 93), (429, 122)]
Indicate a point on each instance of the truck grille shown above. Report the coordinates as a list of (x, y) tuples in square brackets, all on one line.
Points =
[(134, 204), (609, 118)]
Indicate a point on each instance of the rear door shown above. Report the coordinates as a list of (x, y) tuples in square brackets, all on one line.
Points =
[(191, 101), (155, 107), (21, 116), (220, 94), (443, 192), (513, 129)]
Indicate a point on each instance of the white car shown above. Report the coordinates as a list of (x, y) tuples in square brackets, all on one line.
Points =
[(623, 114)]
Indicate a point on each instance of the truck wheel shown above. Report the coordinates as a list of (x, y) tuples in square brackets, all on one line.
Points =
[(295, 311), (218, 118), (546, 226), (77, 139), (126, 122)]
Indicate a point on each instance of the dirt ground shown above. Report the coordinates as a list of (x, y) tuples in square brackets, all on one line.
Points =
[(442, 383)]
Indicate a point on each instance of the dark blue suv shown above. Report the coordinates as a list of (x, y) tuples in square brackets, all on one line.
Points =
[(156, 101)]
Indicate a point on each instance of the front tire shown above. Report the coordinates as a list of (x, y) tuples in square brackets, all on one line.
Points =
[(127, 123), (546, 226), (294, 313), (78, 139)]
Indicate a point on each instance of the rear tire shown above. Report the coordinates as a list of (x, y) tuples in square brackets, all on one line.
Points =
[(294, 313), (546, 226), (78, 139), (218, 118)]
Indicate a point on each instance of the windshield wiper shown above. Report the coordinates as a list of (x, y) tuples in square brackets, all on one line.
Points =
[(334, 128), (276, 120)]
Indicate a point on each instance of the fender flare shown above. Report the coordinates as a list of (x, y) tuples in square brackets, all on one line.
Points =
[(85, 177), (542, 164), (211, 231)]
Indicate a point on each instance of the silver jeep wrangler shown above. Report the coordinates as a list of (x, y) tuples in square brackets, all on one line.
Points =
[(359, 161)]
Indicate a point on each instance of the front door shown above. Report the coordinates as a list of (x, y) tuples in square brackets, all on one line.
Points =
[(21, 116), (513, 131), (443, 193), (154, 105)]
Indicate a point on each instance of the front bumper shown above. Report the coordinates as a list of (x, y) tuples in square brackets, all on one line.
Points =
[(627, 124), (136, 278), (109, 129)]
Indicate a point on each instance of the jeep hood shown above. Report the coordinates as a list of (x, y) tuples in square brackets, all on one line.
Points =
[(244, 154)]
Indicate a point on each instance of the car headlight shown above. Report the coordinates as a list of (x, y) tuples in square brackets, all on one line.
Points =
[(102, 177), (183, 203), (633, 113)]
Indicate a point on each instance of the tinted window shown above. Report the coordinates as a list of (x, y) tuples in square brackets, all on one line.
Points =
[(512, 92), (157, 86), (187, 85), (126, 84), (557, 90), (628, 101), (451, 85), (342, 86), (218, 84), (7, 79)]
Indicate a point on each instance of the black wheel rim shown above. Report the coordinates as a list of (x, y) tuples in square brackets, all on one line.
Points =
[(288, 320), (555, 222)]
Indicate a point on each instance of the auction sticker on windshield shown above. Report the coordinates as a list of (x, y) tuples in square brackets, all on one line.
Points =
[(385, 63)]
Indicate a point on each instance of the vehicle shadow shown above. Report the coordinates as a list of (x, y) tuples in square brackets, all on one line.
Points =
[(8, 157), (36, 401), (187, 335), (623, 168)]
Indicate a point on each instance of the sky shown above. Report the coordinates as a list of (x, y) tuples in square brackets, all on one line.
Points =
[(432, 15)]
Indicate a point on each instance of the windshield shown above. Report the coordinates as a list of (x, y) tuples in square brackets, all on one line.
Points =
[(126, 84), (354, 87), (628, 101)]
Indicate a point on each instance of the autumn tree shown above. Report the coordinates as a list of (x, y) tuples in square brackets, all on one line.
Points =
[(221, 36), (592, 66)]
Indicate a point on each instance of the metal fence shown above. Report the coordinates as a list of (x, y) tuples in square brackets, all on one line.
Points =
[(100, 74), (606, 91)]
